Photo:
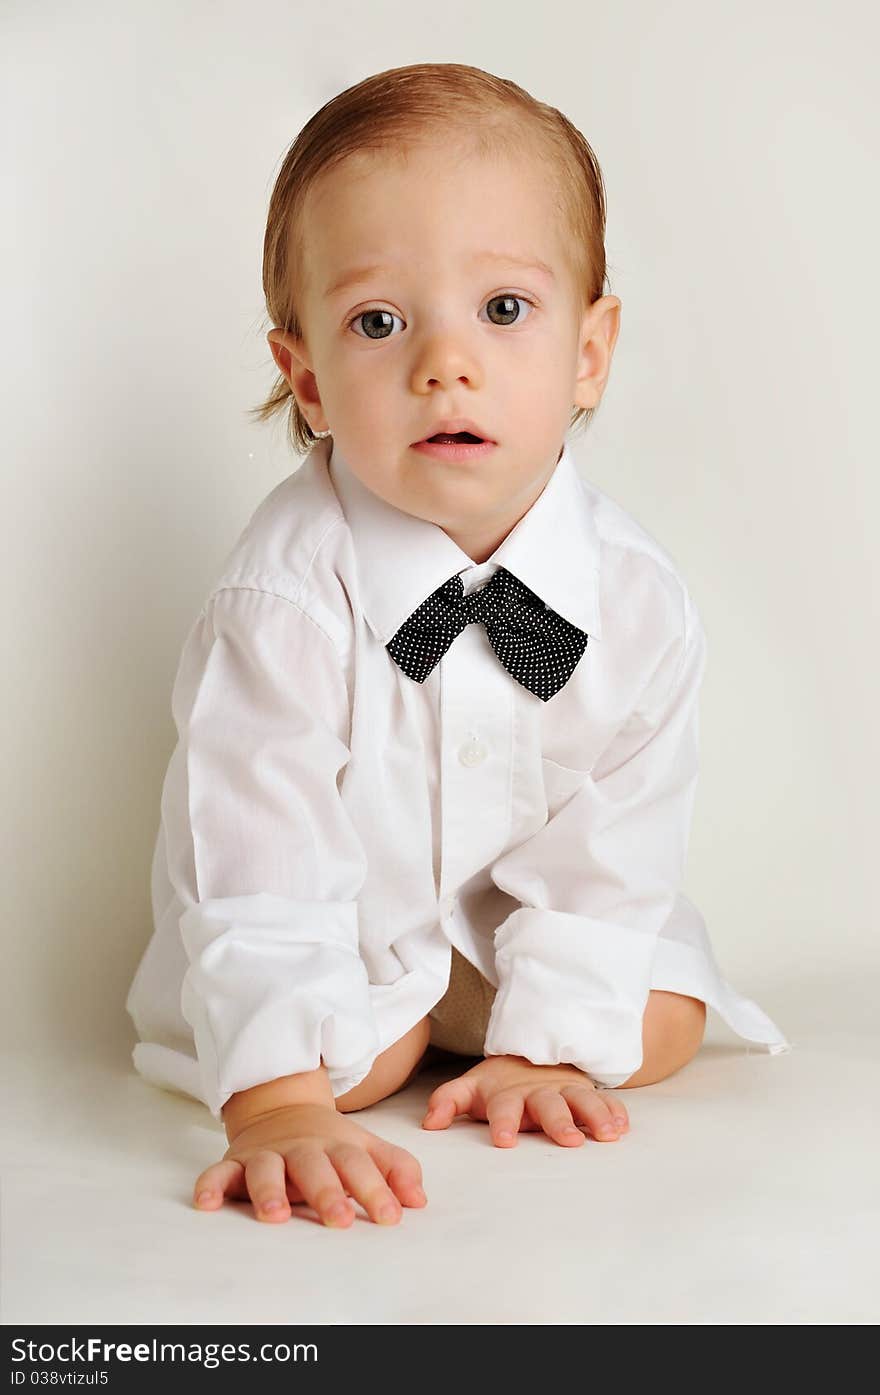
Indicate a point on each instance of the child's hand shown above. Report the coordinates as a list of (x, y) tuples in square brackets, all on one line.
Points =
[(312, 1153), (504, 1090)]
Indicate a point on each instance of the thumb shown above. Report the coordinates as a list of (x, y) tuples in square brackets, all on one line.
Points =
[(451, 1098)]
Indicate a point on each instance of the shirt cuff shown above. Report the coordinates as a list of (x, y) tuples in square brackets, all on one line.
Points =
[(572, 990), (275, 987)]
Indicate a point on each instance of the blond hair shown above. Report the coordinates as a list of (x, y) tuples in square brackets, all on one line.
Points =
[(387, 113)]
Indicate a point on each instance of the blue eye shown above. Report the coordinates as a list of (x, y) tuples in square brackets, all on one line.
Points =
[(377, 323)]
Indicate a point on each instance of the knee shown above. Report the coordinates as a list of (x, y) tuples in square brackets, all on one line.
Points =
[(392, 1069), (673, 1027)]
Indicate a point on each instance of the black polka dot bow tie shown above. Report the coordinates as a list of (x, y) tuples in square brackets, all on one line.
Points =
[(538, 648)]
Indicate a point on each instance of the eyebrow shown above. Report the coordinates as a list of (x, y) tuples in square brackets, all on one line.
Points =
[(357, 274)]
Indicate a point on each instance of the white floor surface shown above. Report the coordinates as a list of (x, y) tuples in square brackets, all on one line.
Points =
[(745, 1193)]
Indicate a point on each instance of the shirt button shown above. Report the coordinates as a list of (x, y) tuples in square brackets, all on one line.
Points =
[(473, 752)]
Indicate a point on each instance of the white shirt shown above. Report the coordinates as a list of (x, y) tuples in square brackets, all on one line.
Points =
[(329, 826)]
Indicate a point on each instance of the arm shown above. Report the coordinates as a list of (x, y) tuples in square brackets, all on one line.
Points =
[(266, 859), (246, 1106), (597, 884)]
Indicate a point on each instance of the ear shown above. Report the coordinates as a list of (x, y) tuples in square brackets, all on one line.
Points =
[(597, 338), (292, 357)]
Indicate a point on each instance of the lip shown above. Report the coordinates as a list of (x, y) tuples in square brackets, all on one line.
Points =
[(460, 451), (452, 425)]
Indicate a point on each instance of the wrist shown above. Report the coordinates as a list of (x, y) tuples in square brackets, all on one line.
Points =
[(245, 1107)]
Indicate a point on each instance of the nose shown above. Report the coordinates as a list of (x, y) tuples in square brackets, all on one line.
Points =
[(445, 360)]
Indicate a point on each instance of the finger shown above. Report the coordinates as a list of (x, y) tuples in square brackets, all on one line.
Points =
[(220, 1179), (318, 1182), (266, 1181), (504, 1113), (401, 1171), (547, 1105), (590, 1107), (451, 1098), (618, 1110), (365, 1182)]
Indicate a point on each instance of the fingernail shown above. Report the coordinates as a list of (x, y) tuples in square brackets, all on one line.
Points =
[(420, 1193), (337, 1211), (275, 1205), (570, 1128), (388, 1213), (505, 1134), (203, 1198)]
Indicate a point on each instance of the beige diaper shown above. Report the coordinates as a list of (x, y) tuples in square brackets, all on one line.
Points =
[(460, 1020)]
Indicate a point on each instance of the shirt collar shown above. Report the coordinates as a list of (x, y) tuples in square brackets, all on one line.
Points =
[(553, 549)]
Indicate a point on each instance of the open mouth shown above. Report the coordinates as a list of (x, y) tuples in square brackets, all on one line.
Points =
[(448, 438), (456, 447)]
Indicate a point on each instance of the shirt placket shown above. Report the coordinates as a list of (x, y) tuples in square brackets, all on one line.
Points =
[(476, 743)]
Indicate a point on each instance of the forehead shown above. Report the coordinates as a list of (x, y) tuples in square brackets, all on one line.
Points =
[(429, 207)]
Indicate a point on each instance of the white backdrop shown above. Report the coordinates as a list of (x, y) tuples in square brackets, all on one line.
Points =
[(739, 148)]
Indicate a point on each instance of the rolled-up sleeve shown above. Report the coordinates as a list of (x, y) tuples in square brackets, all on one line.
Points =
[(263, 853), (598, 882)]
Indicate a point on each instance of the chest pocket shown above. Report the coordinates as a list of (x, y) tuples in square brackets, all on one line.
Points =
[(561, 783)]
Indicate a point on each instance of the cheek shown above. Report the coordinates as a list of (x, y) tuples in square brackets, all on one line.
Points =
[(556, 363), (539, 365), (371, 421), (365, 389), (352, 397)]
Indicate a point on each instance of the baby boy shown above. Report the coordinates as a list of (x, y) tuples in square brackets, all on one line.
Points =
[(438, 715)]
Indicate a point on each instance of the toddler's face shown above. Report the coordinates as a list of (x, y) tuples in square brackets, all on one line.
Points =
[(445, 323)]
